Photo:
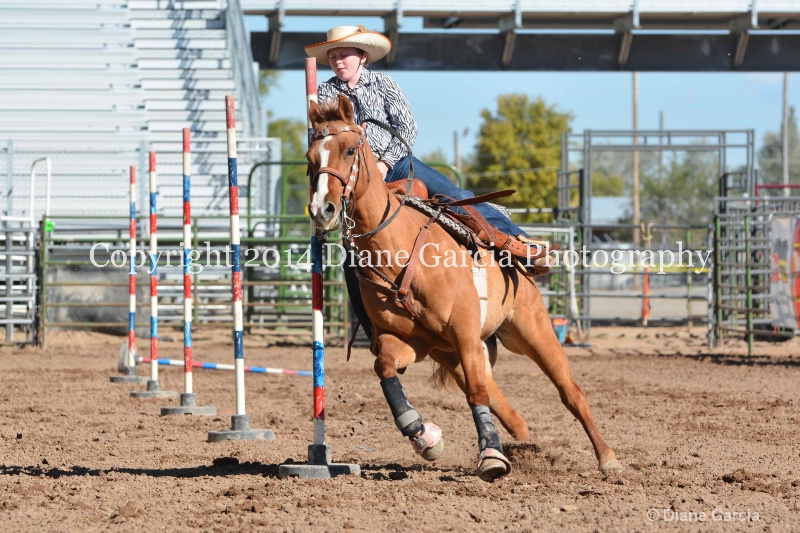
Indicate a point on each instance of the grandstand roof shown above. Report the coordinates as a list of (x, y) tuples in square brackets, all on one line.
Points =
[(641, 35)]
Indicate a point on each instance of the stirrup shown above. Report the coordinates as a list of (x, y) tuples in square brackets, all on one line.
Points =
[(544, 264), (541, 266)]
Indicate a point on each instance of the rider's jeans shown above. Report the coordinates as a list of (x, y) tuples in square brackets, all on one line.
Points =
[(437, 183)]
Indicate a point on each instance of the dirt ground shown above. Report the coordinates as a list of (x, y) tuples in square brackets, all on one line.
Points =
[(709, 440)]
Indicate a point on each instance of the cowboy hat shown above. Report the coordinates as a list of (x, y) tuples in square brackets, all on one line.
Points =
[(375, 44)]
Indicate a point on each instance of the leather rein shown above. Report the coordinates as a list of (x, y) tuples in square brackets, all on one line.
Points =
[(398, 292)]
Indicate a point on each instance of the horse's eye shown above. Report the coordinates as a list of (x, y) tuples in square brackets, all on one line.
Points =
[(351, 152)]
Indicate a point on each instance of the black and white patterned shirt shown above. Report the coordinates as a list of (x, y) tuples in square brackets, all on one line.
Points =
[(377, 96)]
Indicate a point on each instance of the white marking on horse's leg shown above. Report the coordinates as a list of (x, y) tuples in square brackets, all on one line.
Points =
[(318, 201), (480, 281)]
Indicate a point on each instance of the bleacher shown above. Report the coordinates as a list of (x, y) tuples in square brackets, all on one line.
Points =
[(95, 84)]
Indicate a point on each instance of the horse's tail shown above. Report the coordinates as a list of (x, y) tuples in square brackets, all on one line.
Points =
[(443, 379)]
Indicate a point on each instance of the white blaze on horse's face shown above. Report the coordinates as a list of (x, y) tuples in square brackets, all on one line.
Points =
[(323, 211)]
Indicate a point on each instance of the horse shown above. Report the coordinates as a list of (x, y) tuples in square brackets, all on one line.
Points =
[(433, 309)]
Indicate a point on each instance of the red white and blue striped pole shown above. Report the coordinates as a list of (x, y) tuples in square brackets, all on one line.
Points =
[(130, 360), (222, 366), (240, 421), (319, 464), (153, 385), (317, 320), (187, 262), (236, 273), (153, 268), (188, 404), (132, 275)]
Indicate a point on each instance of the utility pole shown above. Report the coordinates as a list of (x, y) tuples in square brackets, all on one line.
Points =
[(457, 144), (661, 171), (785, 134), (636, 218)]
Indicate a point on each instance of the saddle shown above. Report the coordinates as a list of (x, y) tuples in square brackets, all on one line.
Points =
[(534, 255)]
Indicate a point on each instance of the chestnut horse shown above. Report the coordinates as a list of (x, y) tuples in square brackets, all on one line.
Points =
[(440, 313)]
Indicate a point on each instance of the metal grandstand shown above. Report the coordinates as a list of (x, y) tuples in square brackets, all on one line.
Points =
[(95, 84)]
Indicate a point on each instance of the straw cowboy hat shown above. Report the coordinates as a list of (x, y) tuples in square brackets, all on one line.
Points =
[(375, 44)]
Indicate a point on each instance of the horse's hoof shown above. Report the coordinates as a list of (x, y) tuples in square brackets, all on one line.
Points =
[(613, 466), (492, 465), (430, 444), (434, 452)]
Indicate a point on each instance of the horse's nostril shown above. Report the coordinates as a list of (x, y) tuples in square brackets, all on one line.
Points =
[(329, 208)]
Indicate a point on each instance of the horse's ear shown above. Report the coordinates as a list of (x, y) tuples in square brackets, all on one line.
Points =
[(314, 114), (346, 110)]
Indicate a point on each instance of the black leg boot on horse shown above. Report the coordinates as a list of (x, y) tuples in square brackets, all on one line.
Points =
[(426, 438), (492, 464), (393, 356)]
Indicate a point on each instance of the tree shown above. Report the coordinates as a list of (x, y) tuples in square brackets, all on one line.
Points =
[(437, 156), (267, 79), (770, 156), (685, 194), (519, 147), (294, 140)]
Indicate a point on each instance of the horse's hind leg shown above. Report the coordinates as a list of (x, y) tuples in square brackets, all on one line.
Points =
[(508, 416), (392, 353), (532, 334)]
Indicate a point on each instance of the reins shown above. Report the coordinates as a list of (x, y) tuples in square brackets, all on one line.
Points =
[(409, 179), (398, 291)]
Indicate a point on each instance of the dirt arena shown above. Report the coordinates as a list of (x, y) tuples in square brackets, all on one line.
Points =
[(709, 440)]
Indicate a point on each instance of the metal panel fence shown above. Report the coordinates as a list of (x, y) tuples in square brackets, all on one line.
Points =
[(741, 280), (85, 270)]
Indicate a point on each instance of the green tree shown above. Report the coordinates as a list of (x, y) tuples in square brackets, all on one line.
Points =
[(294, 141), (519, 147), (437, 156), (684, 194), (607, 184), (267, 79), (770, 156)]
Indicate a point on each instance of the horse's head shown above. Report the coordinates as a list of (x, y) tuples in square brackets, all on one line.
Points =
[(337, 150)]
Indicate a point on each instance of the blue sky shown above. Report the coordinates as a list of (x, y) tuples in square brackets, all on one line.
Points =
[(448, 102)]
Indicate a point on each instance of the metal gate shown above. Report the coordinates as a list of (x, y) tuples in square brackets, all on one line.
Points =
[(741, 278), (18, 273)]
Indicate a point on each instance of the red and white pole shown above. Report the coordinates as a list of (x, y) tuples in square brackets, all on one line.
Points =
[(240, 421), (187, 262), (319, 464), (132, 277), (128, 359), (317, 319), (188, 405), (153, 269), (153, 385)]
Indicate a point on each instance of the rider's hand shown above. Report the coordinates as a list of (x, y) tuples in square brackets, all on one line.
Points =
[(383, 168)]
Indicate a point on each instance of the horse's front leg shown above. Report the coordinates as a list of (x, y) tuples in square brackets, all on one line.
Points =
[(393, 354), (492, 464)]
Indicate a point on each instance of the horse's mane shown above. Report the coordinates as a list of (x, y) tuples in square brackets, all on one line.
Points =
[(329, 109)]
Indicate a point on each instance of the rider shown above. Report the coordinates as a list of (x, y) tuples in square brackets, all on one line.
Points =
[(375, 95)]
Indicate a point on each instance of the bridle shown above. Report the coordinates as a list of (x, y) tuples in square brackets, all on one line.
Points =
[(349, 183)]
